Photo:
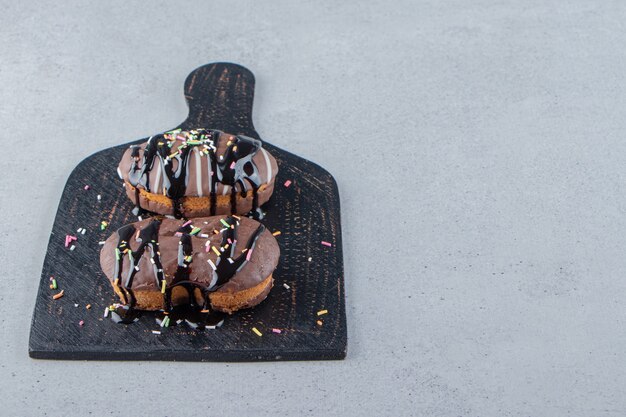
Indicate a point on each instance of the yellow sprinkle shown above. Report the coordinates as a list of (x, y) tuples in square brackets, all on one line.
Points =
[(163, 283), (319, 322), (276, 233), (215, 250), (257, 332), (322, 312), (116, 282)]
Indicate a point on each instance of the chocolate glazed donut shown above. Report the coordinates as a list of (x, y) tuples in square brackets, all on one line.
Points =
[(199, 172), (206, 265)]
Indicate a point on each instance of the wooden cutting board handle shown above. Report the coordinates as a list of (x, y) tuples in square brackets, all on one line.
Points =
[(220, 96)]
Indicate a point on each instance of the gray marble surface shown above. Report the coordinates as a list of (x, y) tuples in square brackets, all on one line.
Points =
[(479, 147)]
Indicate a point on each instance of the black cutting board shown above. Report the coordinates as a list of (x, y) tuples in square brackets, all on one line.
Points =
[(307, 212)]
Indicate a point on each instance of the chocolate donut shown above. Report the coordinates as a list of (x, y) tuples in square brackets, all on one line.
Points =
[(219, 263), (198, 173)]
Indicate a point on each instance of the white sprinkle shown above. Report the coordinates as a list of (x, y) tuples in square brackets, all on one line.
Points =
[(124, 184), (210, 327), (310, 259), (80, 229), (72, 247), (156, 332), (210, 262), (140, 218), (231, 260), (169, 216), (206, 222), (119, 173), (75, 305), (101, 243), (286, 286), (99, 197), (82, 232), (106, 312), (178, 321), (137, 268), (160, 270), (152, 260), (204, 235)]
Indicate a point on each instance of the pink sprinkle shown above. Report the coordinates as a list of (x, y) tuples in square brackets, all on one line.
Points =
[(287, 183), (232, 166), (276, 331), (72, 238), (178, 234), (326, 243), (249, 255), (80, 323), (67, 241), (87, 187), (187, 224), (230, 241)]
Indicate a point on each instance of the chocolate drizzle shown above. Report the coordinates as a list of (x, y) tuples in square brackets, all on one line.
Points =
[(234, 167), (197, 310)]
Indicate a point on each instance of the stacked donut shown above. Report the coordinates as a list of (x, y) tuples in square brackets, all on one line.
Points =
[(203, 245)]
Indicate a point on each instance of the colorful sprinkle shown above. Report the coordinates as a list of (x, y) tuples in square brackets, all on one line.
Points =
[(326, 243), (81, 323), (195, 231), (276, 233), (287, 183), (210, 262), (59, 295), (163, 284), (319, 322), (224, 222), (217, 252), (249, 255), (103, 225), (322, 312), (232, 166), (257, 332), (88, 306), (106, 312), (277, 331), (156, 332), (87, 187), (54, 284)]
